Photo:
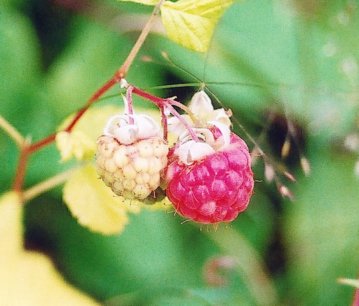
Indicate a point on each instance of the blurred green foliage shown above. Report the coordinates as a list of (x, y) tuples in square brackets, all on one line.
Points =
[(297, 59)]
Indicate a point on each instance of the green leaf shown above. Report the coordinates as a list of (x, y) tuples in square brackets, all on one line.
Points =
[(322, 230), (191, 23)]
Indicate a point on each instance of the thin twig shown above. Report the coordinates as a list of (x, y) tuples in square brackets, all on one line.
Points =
[(44, 186), (12, 132), (141, 39)]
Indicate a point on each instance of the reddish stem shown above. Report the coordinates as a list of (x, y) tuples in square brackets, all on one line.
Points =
[(164, 123), (129, 104), (27, 150), (162, 103), (92, 100), (21, 169), (49, 139), (356, 298), (159, 102), (41, 143)]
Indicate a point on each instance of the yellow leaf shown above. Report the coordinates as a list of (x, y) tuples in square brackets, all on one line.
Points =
[(191, 22), (81, 142), (146, 2), (29, 278), (10, 225), (94, 205), (75, 144)]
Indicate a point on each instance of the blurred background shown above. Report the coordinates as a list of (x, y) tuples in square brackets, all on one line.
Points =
[(289, 71)]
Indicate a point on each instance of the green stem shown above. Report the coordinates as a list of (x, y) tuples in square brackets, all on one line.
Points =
[(12, 131), (46, 185), (141, 39)]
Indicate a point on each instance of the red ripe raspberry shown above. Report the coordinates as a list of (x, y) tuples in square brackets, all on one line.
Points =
[(213, 189)]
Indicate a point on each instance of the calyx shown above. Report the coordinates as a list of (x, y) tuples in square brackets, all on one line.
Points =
[(127, 129)]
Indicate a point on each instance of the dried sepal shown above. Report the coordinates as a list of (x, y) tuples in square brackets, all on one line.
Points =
[(305, 165), (285, 192)]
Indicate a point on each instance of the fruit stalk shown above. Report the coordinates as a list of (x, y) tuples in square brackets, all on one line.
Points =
[(168, 104)]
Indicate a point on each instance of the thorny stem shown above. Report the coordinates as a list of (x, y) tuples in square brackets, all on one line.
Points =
[(28, 149)]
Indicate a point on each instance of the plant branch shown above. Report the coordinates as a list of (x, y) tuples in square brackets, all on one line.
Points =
[(28, 149), (121, 73), (159, 102), (12, 132), (44, 186), (21, 167)]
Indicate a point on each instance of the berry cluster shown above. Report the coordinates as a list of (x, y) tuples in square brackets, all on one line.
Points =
[(206, 174)]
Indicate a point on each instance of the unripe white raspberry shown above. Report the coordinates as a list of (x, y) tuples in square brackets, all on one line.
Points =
[(131, 156)]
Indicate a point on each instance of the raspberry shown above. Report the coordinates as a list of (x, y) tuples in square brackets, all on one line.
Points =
[(132, 170), (130, 158), (214, 188)]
